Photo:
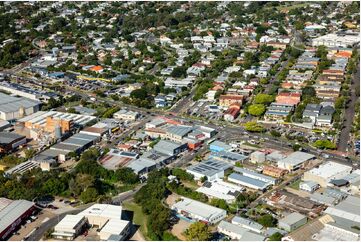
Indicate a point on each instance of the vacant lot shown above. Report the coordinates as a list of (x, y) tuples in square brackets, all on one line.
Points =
[(139, 218)]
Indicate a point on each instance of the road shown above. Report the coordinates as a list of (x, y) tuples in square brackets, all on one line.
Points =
[(345, 134), (184, 103), (38, 234)]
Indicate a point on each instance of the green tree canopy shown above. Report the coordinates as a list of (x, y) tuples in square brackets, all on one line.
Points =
[(256, 109), (324, 144), (198, 231), (253, 126), (263, 98)]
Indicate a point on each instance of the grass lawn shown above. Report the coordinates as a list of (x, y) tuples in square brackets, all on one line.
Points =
[(139, 217), (295, 185), (293, 6)]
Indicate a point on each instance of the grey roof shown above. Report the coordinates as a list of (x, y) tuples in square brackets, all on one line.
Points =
[(297, 157), (255, 174), (65, 148), (140, 164), (179, 130), (167, 147), (345, 224), (322, 198), (248, 180), (7, 138), (228, 156), (209, 167), (246, 222), (154, 156), (13, 212), (12, 104), (292, 218)]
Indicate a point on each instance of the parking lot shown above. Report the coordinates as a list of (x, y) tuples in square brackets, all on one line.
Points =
[(28, 227)]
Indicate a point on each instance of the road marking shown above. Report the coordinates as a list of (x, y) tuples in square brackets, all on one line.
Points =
[(45, 220)]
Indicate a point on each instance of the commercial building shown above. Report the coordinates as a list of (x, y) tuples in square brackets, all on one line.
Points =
[(69, 227), (236, 232), (309, 186), (108, 219), (169, 147), (335, 40), (248, 182), (348, 209), (217, 145), (26, 92), (126, 115), (211, 169), (116, 159), (12, 108), (327, 172), (199, 211), (228, 156), (47, 121), (294, 161), (274, 171), (12, 214), (10, 141), (221, 190), (292, 221), (247, 224)]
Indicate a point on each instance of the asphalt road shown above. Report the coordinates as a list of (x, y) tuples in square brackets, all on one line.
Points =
[(345, 134)]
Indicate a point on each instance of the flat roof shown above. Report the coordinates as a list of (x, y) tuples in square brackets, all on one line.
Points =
[(297, 158), (209, 167), (10, 104), (292, 218), (70, 221), (259, 176), (115, 226), (198, 208), (330, 169), (103, 210)]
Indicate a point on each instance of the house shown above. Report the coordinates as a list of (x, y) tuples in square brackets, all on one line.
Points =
[(278, 111), (160, 101), (325, 116), (98, 69), (311, 112), (274, 171), (199, 211), (227, 100), (292, 98), (232, 112)]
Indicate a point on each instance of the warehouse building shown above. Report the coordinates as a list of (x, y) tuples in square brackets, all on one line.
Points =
[(221, 190), (327, 172), (217, 146), (170, 148), (294, 161), (236, 232), (105, 218), (49, 120), (13, 108), (255, 175), (212, 169), (228, 156), (12, 214), (335, 40), (26, 92), (247, 224), (199, 211), (69, 227), (292, 221), (248, 182), (348, 209), (10, 141)]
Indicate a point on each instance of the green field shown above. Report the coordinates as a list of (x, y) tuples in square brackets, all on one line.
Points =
[(139, 217)]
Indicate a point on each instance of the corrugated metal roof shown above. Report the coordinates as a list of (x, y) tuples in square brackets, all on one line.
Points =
[(13, 211)]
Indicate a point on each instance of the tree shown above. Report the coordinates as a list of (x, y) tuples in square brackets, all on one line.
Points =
[(263, 98), (253, 126), (276, 237), (89, 195), (29, 153), (256, 109), (179, 71), (126, 175), (139, 94), (267, 220), (324, 144), (275, 133), (198, 231)]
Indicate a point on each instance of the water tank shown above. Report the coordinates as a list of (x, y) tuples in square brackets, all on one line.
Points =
[(57, 132)]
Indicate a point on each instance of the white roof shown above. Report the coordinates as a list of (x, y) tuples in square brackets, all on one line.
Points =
[(103, 210), (330, 170), (69, 222), (198, 208), (220, 189), (115, 226), (297, 158)]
